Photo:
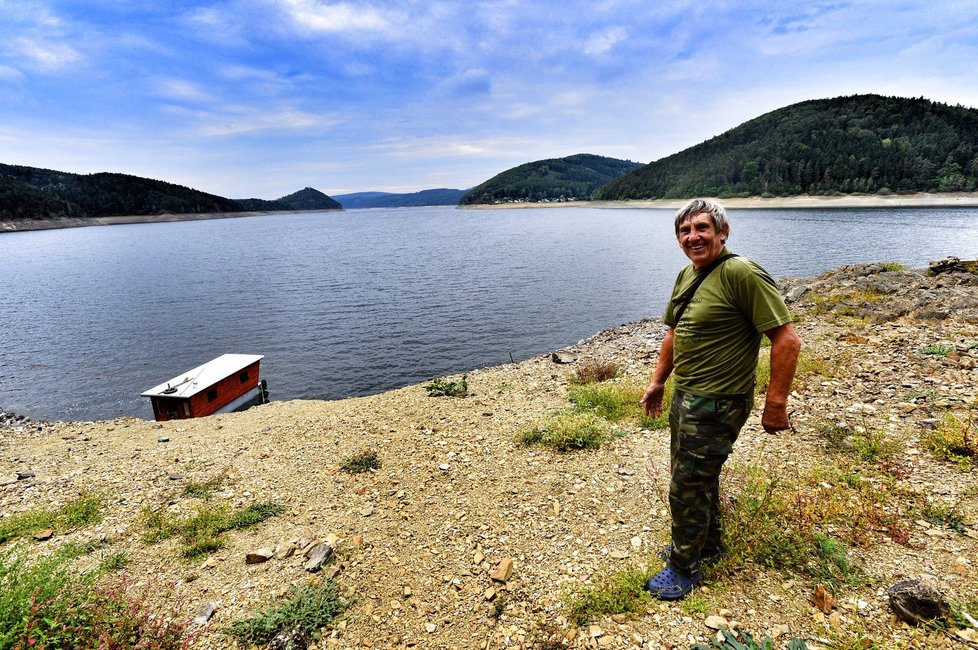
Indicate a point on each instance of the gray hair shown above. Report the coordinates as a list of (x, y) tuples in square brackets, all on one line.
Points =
[(697, 206)]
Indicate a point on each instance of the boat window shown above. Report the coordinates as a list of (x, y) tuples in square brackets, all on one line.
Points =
[(243, 377), (212, 395)]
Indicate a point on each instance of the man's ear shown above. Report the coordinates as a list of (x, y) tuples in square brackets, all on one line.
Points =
[(724, 234)]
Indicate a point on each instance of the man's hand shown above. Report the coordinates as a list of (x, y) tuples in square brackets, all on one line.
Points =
[(652, 399), (775, 418)]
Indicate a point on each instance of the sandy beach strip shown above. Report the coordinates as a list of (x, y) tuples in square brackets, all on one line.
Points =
[(806, 202)]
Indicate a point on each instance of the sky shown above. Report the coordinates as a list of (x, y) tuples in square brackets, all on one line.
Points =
[(260, 98)]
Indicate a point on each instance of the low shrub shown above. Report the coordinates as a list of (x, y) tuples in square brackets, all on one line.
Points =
[(310, 607), (891, 267), (622, 592), (443, 388), (361, 463), (79, 512), (46, 603), (938, 350), (617, 401), (954, 440), (567, 431), (201, 531), (593, 371)]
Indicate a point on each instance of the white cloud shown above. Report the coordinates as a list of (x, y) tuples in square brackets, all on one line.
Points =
[(604, 41), (46, 56), (337, 17), (184, 91), (11, 74), (247, 120)]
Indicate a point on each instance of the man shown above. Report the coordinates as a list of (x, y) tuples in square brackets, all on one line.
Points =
[(711, 348)]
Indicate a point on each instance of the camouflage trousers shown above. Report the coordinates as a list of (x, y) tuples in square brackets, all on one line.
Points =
[(703, 431)]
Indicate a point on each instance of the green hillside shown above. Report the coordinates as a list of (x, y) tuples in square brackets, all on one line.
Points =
[(857, 144), (555, 179), (310, 199), (439, 196), (34, 193)]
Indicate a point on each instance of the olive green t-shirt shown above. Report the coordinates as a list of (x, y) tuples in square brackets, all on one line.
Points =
[(716, 343)]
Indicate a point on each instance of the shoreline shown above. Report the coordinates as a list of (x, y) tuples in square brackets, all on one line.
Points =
[(22, 225), (920, 200)]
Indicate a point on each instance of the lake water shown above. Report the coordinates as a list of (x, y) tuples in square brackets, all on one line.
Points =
[(356, 302)]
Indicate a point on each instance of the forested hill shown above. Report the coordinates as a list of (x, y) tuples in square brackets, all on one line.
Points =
[(34, 193), (856, 144), (310, 199), (439, 196), (555, 179)]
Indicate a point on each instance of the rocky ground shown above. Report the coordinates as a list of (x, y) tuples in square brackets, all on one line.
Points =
[(418, 539)]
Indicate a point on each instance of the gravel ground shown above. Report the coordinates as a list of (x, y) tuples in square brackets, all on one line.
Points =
[(455, 495)]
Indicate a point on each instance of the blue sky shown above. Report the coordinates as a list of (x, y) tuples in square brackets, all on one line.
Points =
[(259, 98)]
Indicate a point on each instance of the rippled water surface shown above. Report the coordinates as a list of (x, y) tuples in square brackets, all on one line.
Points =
[(357, 302)]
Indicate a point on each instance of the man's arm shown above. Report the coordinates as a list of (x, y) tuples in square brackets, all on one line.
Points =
[(785, 345), (652, 399)]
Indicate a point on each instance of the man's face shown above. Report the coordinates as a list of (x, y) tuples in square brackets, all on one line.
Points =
[(700, 240)]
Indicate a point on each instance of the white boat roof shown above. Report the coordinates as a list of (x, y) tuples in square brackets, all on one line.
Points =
[(193, 381)]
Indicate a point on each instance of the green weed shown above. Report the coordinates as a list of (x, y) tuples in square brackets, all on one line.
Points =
[(890, 267), (443, 388), (938, 350), (311, 607), (201, 532), (741, 640), (622, 592), (617, 401), (79, 512), (954, 440), (567, 431), (782, 522), (361, 463)]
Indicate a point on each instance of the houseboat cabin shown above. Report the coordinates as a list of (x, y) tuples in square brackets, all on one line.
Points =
[(228, 383)]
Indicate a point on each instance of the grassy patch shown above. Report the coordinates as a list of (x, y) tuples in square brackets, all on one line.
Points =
[(47, 603), (361, 463), (955, 440), (311, 607), (945, 514), (79, 512), (443, 388), (616, 401), (567, 431), (866, 444), (938, 350), (201, 532), (622, 592), (806, 522), (890, 267), (592, 371), (206, 488)]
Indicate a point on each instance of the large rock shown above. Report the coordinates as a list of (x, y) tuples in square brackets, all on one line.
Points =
[(916, 601)]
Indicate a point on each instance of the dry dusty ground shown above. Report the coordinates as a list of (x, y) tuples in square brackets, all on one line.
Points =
[(455, 494)]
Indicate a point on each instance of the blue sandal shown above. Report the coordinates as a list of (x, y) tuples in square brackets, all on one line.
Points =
[(669, 584)]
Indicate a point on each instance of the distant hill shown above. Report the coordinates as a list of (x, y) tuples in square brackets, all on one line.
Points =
[(440, 196), (35, 193), (310, 199), (555, 179), (856, 144)]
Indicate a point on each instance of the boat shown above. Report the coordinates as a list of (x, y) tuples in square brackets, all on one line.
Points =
[(231, 382)]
